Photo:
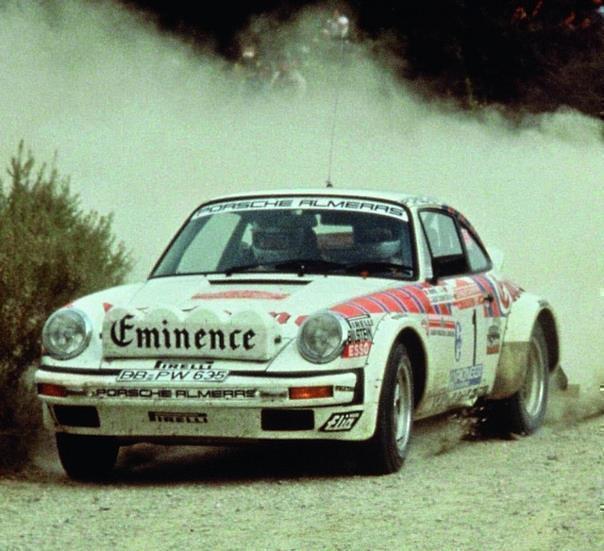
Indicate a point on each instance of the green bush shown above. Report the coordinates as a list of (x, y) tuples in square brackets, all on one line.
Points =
[(51, 251)]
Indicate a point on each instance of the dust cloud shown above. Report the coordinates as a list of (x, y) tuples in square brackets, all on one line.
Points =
[(148, 127)]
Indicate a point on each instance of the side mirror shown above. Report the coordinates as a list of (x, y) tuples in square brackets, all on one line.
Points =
[(497, 258)]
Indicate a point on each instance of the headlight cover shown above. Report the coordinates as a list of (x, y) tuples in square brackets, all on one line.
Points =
[(321, 337), (66, 333)]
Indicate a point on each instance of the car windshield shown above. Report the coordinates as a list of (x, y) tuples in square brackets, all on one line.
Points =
[(296, 234)]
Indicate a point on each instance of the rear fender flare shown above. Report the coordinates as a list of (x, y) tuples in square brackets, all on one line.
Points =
[(511, 368)]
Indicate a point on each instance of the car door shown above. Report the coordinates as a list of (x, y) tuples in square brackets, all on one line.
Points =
[(452, 278), (490, 318)]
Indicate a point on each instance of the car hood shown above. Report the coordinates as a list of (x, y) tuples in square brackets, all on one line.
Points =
[(232, 317)]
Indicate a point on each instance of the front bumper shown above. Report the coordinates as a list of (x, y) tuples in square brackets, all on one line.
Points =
[(253, 406)]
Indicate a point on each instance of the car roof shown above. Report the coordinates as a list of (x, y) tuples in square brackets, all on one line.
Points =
[(406, 199)]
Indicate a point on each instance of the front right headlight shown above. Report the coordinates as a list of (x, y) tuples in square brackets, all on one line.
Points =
[(66, 333), (322, 337)]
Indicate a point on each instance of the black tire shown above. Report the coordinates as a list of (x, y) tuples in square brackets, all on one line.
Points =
[(386, 451), (87, 457), (523, 412)]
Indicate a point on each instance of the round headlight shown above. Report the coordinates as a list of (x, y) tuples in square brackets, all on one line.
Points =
[(322, 337), (66, 334)]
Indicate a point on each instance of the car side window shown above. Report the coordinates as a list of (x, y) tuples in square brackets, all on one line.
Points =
[(441, 233), (448, 257), (477, 259)]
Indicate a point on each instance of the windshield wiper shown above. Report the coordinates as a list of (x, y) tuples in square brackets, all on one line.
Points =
[(300, 265), (312, 265), (245, 268), (372, 266), (304, 265)]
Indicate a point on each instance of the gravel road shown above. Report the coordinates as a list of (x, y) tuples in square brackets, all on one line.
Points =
[(541, 493)]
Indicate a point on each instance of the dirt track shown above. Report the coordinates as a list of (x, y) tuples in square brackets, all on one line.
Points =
[(539, 493)]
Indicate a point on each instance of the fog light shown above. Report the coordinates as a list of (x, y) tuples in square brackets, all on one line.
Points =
[(310, 392)]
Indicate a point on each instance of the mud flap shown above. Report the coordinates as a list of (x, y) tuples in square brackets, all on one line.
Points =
[(559, 378)]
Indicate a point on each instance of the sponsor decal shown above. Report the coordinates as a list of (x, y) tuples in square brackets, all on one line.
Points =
[(439, 326), (360, 337), (172, 376), (344, 388), (341, 422), (177, 417), (168, 332), (463, 377), (493, 339), (438, 295), (466, 294), (458, 341), (323, 203), (163, 364), (356, 349), (124, 333), (178, 394), (243, 293)]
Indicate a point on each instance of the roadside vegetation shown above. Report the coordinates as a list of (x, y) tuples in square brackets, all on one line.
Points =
[(50, 252)]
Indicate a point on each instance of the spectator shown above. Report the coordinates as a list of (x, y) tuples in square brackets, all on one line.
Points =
[(337, 26)]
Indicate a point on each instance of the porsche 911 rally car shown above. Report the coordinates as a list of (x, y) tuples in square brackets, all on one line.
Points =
[(298, 315)]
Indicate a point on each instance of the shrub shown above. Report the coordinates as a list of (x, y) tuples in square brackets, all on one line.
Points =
[(51, 251)]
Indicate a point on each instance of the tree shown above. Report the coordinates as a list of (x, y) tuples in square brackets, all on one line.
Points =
[(50, 252)]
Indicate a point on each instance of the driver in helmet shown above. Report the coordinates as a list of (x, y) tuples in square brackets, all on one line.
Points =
[(282, 238), (378, 240)]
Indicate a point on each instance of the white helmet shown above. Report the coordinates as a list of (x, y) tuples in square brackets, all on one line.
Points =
[(378, 240)]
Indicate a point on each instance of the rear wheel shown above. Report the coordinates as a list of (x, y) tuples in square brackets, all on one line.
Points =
[(87, 457), (385, 452), (523, 412)]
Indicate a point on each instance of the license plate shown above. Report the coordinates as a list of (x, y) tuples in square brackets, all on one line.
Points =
[(172, 376)]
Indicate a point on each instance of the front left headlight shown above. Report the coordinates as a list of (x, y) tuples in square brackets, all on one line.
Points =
[(322, 337), (66, 333)]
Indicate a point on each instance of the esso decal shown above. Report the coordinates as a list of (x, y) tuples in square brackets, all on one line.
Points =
[(356, 349)]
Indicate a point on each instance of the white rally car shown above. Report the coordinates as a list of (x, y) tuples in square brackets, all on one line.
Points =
[(298, 315)]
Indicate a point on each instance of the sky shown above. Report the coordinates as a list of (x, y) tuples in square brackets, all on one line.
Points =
[(148, 128)]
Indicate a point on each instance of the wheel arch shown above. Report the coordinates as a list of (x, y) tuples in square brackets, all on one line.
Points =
[(417, 354), (547, 320), (389, 333), (525, 313)]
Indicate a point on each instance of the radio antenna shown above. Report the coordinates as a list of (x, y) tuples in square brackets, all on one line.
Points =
[(335, 110)]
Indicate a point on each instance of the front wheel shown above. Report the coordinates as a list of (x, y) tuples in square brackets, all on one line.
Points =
[(86, 457), (385, 452)]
